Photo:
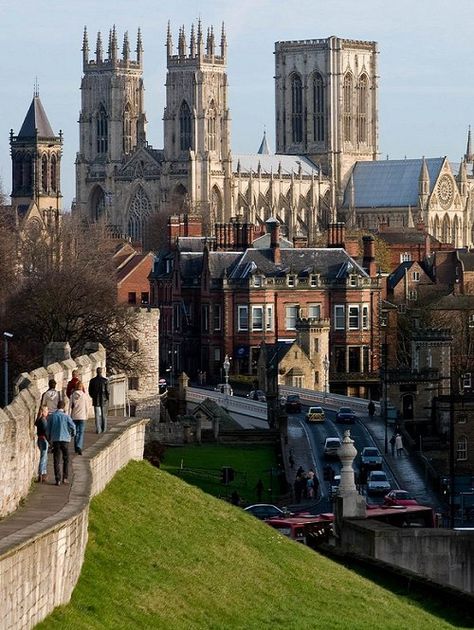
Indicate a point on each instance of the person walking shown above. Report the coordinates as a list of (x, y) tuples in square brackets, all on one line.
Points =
[(79, 411), (59, 431), (291, 461), (71, 386), (399, 444), (51, 396), (99, 392), (392, 444), (371, 409), (41, 424)]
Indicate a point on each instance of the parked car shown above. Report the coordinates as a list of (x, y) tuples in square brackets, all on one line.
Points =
[(293, 403), (315, 414), (222, 389), (257, 394), (377, 482), (399, 497), (266, 510), (345, 414), (370, 458), (331, 446)]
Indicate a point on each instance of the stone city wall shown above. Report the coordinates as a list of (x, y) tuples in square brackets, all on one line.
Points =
[(18, 451), (441, 555), (40, 566)]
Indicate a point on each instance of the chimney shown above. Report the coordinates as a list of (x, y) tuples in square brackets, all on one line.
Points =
[(173, 229), (368, 261), (337, 235), (427, 244), (273, 228)]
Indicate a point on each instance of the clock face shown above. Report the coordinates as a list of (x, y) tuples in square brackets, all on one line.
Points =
[(445, 191)]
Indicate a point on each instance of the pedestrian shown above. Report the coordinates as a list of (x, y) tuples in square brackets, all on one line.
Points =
[(99, 392), (41, 424), (371, 409), (59, 431), (300, 471), (79, 412), (291, 461), (51, 396), (259, 488), (71, 386), (316, 486), (392, 444), (399, 444), (298, 487), (309, 487)]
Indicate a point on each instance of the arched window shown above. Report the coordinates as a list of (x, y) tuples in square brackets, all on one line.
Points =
[(27, 178), (97, 204), (347, 107), (296, 109), (436, 228), (319, 107), (138, 215), (102, 131), (44, 173), (17, 173), (446, 230), (54, 174), (127, 129), (211, 127), (456, 232), (362, 107), (185, 127)]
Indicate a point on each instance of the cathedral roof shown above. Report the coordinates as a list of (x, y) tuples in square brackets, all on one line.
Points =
[(390, 183), (36, 122), (271, 163)]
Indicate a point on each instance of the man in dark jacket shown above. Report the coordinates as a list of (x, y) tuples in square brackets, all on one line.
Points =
[(99, 392)]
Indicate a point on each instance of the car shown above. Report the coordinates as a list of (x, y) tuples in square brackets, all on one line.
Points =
[(370, 458), (345, 414), (266, 510), (334, 488), (331, 446), (377, 482), (293, 403), (222, 387), (315, 414), (399, 497), (257, 394)]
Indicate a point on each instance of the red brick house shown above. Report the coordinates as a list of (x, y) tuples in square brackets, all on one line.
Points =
[(133, 269)]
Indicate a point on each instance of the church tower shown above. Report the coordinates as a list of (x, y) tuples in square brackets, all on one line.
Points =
[(36, 166), (326, 104), (111, 121), (197, 126)]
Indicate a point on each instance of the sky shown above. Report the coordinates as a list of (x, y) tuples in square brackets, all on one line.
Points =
[(426, 64)]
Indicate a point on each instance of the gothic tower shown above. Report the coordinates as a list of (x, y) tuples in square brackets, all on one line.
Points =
[(326, 104), (197, 126), (36, 165), (111, 121)]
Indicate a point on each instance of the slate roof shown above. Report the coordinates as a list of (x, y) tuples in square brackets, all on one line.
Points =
[(390, 183), (407, 235), (192, 243), (132, 264), (36, 121), (264, 242), (220, 262), (264, 149), (453, 302), (190, 265), (270, 163)]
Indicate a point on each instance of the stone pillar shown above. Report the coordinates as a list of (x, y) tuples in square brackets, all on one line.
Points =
[(183, 380), (353, 505)]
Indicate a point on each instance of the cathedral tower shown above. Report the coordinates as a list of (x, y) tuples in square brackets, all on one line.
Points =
[(36, 165), (326, 103), (111, 121), (197, 124)]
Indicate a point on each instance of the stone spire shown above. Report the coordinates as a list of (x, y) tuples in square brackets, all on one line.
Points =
[(85, 47), (423, 185), (462, 178), (223, 42), (113, 54), (126, 48), (139, 50), (264, 148), (182, 42), (469, 157), (99, 52), (169, 41), (200, 42), (192, 42)]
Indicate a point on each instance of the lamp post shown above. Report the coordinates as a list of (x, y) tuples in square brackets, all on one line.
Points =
[(226, 367), (171, 355), (6, 337), (326, 375)]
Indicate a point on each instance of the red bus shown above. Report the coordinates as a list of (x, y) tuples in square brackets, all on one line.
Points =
[(403, 516), (309, 529)]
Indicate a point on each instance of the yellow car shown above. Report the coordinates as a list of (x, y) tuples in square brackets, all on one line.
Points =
[(315, 414)]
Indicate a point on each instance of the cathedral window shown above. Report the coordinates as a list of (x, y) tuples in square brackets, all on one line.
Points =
[(54, 174), (211, 127), (296, 109), (138, 215), (127, 130), (362, 93), (26, 173), (44, 173), (318, 108), (102, 131), (185, 127), (347, 108)]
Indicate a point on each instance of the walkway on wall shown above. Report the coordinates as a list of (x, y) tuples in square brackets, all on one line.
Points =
[(46, 499)]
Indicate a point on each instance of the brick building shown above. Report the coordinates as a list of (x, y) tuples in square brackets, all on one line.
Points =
[(216, 302), (133, 269)]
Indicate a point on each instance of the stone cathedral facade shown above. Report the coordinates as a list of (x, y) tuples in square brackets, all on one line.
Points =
[(326, 131)]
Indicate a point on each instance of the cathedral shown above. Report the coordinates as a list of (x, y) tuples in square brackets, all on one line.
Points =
[(325, 167)]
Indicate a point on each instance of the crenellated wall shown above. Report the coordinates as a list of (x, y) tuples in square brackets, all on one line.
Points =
[(40, 565), (18, 451)]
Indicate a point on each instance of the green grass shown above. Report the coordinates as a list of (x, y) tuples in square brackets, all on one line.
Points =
[(162, 554), (250, 462)]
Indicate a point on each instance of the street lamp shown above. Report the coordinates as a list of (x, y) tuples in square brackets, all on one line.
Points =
[(6, 337), (226, 367), (326, 375), (171, 355)]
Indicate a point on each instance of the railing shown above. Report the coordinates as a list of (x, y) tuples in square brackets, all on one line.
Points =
[(235, 404), (327, 398)]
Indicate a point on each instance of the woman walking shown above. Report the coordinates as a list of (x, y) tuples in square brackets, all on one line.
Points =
[(41, 424)]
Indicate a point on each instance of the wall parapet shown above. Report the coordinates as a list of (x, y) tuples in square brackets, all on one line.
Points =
[(40, 565)]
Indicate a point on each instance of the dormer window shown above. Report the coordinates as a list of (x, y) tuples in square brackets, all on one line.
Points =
[(291, 280), (352, 280), (314, 280), (257, 281)]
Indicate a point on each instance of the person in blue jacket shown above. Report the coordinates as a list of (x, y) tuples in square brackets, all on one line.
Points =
[(60, 430)]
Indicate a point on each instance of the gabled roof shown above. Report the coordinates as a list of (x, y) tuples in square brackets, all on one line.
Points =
[(390, 183), (221, 262), (136, 261), (395, 277), (271, 163), (36, 121)]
